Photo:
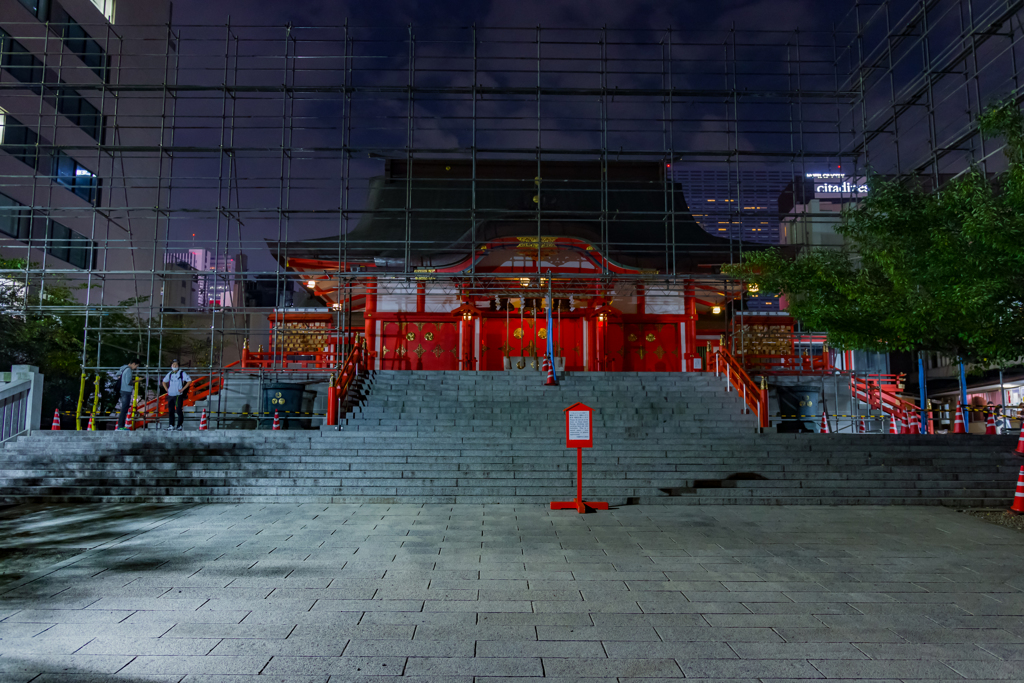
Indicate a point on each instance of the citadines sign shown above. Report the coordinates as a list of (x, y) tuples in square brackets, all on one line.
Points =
[(837, 185)]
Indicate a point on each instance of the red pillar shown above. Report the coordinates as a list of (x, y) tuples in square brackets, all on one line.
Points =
[(369, 320), (690, 327), (421, 297)]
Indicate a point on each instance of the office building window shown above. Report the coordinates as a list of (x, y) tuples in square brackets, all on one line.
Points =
[(67, 245), (80, 112), (106, 7), (78, 41), (76, 177), (18, 140), (15, 218), (38, 8), (18, 61)]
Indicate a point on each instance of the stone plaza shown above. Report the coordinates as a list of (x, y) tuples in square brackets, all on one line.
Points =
[(489, 593)]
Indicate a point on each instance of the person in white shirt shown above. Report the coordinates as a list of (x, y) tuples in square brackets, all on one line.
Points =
[(175, 383)]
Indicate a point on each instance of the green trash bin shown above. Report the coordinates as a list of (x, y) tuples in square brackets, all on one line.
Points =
[(286, 399), (799, 408)]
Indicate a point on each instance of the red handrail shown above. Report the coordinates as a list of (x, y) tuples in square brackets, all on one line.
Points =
[(755, 397), (198, 390), (877, 392), (338, 390)]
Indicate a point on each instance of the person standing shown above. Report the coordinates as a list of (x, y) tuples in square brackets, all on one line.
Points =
[(175, 384), (127, 376)]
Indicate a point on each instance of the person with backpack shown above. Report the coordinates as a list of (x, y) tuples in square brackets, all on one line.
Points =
[(126, 375), (174, 384)]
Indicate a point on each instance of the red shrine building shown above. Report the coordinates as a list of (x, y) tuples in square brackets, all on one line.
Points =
[(453, 264)]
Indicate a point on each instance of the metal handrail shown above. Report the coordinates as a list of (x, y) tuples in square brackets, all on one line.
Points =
[(14, 405)]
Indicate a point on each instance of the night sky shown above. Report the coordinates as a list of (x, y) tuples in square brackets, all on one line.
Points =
[(316, 185), (720, 14)]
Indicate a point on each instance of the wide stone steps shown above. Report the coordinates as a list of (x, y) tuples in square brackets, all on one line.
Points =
[(498, 438)]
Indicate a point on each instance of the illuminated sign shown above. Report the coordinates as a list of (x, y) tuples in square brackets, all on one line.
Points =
[(832, 184)]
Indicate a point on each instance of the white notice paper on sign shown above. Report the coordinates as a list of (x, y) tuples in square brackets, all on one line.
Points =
[(579, 425)]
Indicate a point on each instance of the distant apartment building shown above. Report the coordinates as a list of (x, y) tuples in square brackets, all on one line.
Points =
[(219, 278), (739, 204), (71, 204), (811, 208), (180, 292)]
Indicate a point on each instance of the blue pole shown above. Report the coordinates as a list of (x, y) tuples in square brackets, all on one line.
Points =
[(923, 387), (963, 387), (551, 335)]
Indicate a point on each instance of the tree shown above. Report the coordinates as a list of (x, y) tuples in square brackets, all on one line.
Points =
[(45, 327), (936, 271)]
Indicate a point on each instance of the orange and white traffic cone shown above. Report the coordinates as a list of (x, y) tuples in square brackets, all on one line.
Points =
[(277, 422), (92, 425), (824, 424), (893, 419), (863, 426), (202, 422), (1019, 450), (959, 426), (55, 425), (1018, 497), (547, 367), (914, 423), (990, 424)]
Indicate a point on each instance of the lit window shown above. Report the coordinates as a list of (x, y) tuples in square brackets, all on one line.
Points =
[(106, 7), (75, 177)]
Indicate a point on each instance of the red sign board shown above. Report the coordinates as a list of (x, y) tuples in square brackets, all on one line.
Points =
[(579, 426)]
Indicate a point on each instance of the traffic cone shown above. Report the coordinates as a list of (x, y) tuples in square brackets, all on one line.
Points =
[(129, 423), (990, 424), (863, 427), (1018, 497), (92, 426), (892, 424), (277, 422), (55, 425), (1020, 442), (959, 426), (824, 424), (550, 381), (202, 422), (913, 422)]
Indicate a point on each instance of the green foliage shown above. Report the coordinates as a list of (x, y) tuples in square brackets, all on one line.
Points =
[(42, 324), (940, 271)]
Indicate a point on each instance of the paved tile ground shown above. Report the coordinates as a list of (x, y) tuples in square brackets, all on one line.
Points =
[(480, 594)]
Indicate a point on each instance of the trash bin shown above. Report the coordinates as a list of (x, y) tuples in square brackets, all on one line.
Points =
[(287, 399), (799, 408)]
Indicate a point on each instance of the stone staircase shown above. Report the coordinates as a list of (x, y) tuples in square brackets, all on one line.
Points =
[(479, 437)]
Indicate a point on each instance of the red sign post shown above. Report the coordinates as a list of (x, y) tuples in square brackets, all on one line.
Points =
[(579, 434)]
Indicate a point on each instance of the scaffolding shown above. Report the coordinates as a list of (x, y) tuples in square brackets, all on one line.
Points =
[(246, 143)]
